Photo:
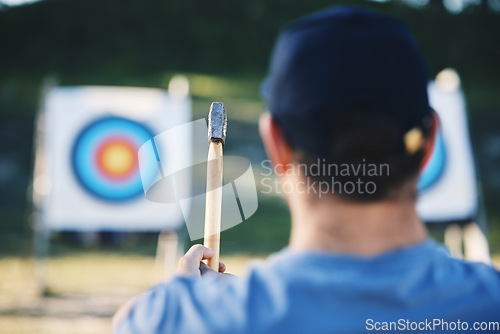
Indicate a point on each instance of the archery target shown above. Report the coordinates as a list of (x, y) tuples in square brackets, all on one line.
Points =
[(105, 158), (89, 138)]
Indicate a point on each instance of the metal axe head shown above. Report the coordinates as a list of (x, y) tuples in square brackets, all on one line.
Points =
[(217, 123)]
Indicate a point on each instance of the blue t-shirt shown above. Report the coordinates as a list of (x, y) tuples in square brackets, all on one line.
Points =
[(417, 289)]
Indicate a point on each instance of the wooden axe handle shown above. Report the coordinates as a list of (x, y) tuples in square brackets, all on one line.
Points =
[(213, 202)]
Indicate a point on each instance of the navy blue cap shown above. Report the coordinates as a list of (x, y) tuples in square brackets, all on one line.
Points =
[(341, 60)]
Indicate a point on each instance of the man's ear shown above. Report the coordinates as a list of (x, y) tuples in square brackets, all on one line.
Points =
[(277, 148)]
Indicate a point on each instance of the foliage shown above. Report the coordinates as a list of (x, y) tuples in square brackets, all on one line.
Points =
[(223, 46), (135, 42)]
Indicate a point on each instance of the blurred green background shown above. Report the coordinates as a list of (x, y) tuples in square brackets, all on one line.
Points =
[(223, 48)]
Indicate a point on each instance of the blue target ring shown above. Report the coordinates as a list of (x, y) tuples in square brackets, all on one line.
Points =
[(436, 163), (104, 158)]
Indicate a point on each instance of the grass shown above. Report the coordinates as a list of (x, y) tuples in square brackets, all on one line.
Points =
[(85, 289)]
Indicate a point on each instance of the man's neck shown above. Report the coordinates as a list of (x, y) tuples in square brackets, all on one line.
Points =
[(354, 228)]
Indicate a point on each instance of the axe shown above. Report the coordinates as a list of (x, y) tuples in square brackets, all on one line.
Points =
[(217, 125)]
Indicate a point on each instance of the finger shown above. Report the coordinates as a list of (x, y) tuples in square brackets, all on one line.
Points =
[(222, 267), (190, 262), (199, 252)]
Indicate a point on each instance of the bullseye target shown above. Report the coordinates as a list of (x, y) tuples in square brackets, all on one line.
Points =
[(105, 158), (435, 161), (91, 136)]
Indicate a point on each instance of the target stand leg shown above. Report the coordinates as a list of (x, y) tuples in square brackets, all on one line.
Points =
[(476, 246), (453, 240), (41, 244), (167, 253)]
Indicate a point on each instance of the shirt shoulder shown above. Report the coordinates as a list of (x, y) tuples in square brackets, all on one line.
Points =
[(292, 291)]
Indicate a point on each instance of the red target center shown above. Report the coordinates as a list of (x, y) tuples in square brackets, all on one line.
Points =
[(117, 158)]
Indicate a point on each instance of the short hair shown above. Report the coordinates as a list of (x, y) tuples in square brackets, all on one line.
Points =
[(366, 153)]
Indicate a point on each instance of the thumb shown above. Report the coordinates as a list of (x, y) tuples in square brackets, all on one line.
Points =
[(206, 271)]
